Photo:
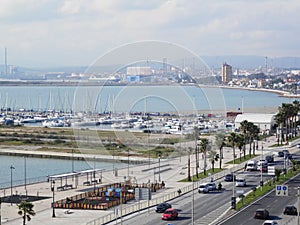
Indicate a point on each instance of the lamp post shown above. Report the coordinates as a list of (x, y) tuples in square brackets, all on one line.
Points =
[(53, 190), (261, 169), (11, 183), (298, 204), (0, 209), (159, 167), (25, 175)]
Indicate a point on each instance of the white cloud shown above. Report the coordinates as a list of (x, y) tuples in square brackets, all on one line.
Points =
[(77, 31)]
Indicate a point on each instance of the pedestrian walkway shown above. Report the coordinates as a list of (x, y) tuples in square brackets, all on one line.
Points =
[(171, 171)]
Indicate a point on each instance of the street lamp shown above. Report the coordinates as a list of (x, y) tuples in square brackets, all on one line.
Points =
[(261, 169), (53, 190), (25, 175), (11, 183), (159, 167), (298, 195)]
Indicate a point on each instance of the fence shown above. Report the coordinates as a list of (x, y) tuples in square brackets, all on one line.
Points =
[(126, 210)]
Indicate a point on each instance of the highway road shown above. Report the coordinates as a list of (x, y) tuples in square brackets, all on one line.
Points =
[(274, 204), (207, 207)]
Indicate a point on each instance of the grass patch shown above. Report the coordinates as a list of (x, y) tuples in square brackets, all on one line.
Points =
[(269, 186), (242, 159), (202, 175)]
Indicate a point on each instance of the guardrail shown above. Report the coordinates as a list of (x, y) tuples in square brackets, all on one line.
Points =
[(145, 204)]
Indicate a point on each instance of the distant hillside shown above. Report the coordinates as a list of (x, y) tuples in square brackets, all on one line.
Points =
[(251, 62)]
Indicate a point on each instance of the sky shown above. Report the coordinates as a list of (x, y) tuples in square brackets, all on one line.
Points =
[(39, 33)]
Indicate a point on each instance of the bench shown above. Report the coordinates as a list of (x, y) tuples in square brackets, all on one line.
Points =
[(86, 183), (60, 188), (67, 186)]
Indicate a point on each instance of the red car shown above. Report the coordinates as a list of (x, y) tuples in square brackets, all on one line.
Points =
[(169, 214)]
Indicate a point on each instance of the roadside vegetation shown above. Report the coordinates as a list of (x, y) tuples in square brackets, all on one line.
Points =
[(256, 192)]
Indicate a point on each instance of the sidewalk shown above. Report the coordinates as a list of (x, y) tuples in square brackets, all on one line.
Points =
[(172, 170)]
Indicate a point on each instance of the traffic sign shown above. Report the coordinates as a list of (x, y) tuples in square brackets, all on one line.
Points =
[(282, 190), (271, 170)]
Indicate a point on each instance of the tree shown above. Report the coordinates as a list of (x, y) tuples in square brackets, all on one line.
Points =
[(232, 139), (203, 148), (220, 142), (26, 210), (213, 157), (240, 144)]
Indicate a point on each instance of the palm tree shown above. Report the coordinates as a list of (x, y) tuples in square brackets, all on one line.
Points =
[(232, 138), (212, 158), (26, 210), (203, 148), (240, 144), (189, 164), (196, 137), (244, 126), (220, 142), (279, 119), (296, 108)]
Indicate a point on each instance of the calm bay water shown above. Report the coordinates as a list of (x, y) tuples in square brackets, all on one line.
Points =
[(133, 98), (115, 99), (38, 168)]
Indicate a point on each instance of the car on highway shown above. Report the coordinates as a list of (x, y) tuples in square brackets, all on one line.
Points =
[(290, 210), (285, 151), (270, 158), (229, 177), (212, 186), (261, 214), (280, 154), (263, 169), (170, 214), (298, 145), (203, 188), (270, 222), (240, 182), (163, 207)]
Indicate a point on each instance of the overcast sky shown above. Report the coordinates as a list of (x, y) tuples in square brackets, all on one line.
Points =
[(76, 32)]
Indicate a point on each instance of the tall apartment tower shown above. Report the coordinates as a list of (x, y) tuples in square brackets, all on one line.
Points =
[(226, 73)]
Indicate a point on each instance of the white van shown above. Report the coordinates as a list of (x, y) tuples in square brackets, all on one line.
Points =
[(251, 165)]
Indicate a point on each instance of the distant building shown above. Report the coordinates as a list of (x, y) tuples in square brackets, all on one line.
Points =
[(226, 73)]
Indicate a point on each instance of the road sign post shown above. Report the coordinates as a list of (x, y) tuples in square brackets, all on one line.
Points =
[(282, 190)]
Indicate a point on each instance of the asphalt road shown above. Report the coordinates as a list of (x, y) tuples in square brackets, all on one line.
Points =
[(274, 204), (209, 207)]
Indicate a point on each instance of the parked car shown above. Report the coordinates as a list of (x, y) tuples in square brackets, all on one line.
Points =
[(280, 154), (261, 214), (212, 186), (170, 214), (203, 188), (162, 207), (270, 222), (270, 158), (290, 210), (240, 182), (229, 177)]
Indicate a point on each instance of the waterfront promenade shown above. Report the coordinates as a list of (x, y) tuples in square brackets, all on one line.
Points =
[(172, 170)]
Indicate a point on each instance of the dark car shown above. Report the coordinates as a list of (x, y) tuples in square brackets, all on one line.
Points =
[(280, 154), (290, 210), (162, 207), (170, 214), (229, 177), (288, 156), (270, 158), (261, 214)]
